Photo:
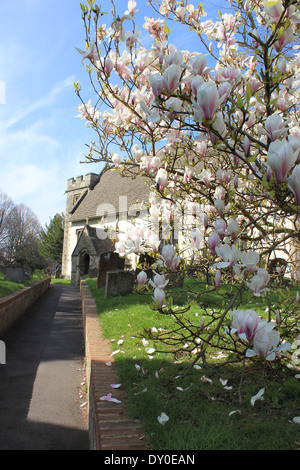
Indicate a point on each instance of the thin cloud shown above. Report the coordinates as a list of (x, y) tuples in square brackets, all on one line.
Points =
[(44, 101)]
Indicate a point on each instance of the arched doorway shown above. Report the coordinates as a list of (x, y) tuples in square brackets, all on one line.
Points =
[(84, 264)]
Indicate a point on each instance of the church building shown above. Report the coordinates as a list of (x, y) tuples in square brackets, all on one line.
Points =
[(94, 204)]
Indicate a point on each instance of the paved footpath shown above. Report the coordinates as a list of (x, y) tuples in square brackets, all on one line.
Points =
[(39, 384)]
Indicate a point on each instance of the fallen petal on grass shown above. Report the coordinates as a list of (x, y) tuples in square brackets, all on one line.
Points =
[(115, 352), (163, 418), (224, 381), (258, 396), (142, 391), (150, 350), (205, 379)]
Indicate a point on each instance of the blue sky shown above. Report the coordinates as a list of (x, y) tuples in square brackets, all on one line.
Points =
[(42, 142)]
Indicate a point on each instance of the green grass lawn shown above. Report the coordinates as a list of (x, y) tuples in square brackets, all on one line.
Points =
[(198, 404), (8, 287), (60, 281)]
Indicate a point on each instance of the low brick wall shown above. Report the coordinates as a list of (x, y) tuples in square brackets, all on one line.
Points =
[(13, 306), (110, 427)]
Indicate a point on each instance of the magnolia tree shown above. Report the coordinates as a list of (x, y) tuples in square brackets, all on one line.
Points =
[(216, 134)]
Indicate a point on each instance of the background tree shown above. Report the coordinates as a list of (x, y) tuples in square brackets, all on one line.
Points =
[(51, 239), (23, 229), (6, 207), (19, 235)]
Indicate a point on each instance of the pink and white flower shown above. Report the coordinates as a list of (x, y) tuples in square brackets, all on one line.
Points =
[(218, 278), (208, 100), (161, 178), (116, 159), (169, 257), (249, 260), (90, 53), (293, 183), (265, 342), (275, 127), (220, 228), (244, 322), (281, 159), (171, 77), (159, 281), (157, 83), (229, 254), (214, 241), (159, 297), (259, 282), (141, 278)]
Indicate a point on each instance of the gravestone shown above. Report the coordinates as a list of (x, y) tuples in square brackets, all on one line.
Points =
[(14, 274), (119, 282), (108, 262)]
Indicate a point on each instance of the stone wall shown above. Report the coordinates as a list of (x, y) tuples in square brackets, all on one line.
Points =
[(13, 306)]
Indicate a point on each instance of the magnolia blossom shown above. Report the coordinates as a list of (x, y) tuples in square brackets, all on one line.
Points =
[(275, 127), (218, 278), (149, 163), (171, 77), (131, 7), (223, 176), (208, 100), (199, 63), (219, 206), (273, 10), (159, 297), (213, 242), (159, 281), (196, 239), (206, 177), (116, 159), (259, 282), (229, 254), (157, 83), (169, 256), (281, 159), (91, 52), (232, 228), (218, 128), (220, 227), (250, 260), (293, 182), (86, 110), (220, 193), (265, 342), (244, 322), (141, 278), (161, 178), (286, 38)]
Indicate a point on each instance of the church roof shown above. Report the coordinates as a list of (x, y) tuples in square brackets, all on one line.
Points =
[(91, 238), (110, 187)]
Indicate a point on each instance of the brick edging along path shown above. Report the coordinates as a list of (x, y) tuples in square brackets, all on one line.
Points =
[(110, 426)]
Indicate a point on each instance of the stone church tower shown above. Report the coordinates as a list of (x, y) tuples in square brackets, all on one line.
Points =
[(77, 189)]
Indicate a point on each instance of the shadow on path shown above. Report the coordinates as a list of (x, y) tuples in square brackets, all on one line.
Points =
[(39, 383)]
